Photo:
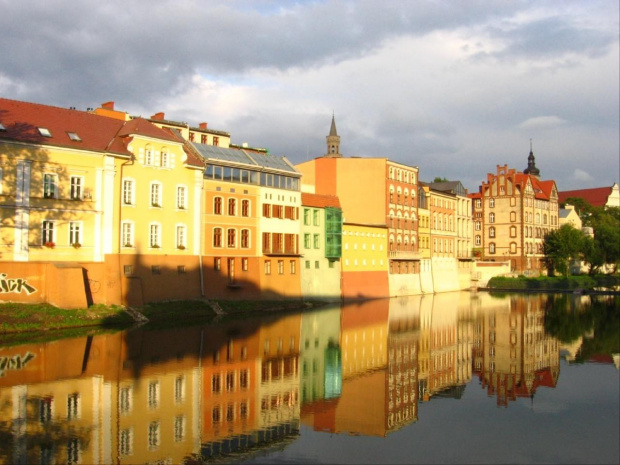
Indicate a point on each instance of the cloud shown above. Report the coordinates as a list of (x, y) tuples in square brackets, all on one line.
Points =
[(542, 122), (581, 175)]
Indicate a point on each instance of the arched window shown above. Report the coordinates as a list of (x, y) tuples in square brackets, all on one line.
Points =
[(217, 237), (492, 247), (232, 238), (492, 218), (217, 205), (492, 231)]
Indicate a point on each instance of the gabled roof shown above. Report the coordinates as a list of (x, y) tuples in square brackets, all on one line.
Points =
[(542, 189), (597, 196), (141, 127), (319, 200), (22, 120)]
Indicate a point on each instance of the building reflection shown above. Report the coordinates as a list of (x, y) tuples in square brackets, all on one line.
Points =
[(190, 394), (512, 354)]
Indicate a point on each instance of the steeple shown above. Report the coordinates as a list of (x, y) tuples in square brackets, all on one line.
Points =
[(531, 164), (333, 141)]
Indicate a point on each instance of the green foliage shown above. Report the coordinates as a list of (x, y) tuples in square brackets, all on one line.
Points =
[(562, 246), (549, 283), (440, 179)]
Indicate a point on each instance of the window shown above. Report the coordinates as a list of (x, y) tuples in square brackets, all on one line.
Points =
[(73, 406), (179, 428), (316, 264), (127, 234), (293, 267), (267, 210), (45, 132), (203, 138), (217, 205), (154, 236), (280, 266), (128, 192), (181, 237), (491, 203), (216, 141), (148, 155), (153, 394), (478, 203), (75, 233), (478, 225), (164, 157), (244, 264), (315, 217), (278, 243), (306, 240), (245, 238), (316, 241), (478, 240), (491, 231), (492, 218), (76, 187), (126, 442), (513, 247), (492, 247), (156, 195), (245, 208), (217, 237), (153, 434), (307, 264), (73, 450), (306, 216), (232, 207), (50, 186), (181, 198), (267, 266), (126, 399), (47, 237), (231, 238), (513, 231)]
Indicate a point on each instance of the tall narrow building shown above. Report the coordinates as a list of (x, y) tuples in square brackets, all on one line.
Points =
[(333, 141)]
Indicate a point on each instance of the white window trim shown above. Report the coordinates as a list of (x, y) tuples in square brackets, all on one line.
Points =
[(132, 234), (80, 225), (81, 178), (132, 200), (158, 242), (183, 206), (55, 177), (156, 203), (182, 243)]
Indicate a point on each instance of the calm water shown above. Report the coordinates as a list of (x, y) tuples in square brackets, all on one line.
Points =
[(450, 378)]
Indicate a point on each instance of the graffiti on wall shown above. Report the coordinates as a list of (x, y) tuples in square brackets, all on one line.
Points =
[(16, 285), (16, 362)]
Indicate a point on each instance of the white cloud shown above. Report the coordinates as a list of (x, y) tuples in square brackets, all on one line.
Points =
[(581, 175), (538, 122)]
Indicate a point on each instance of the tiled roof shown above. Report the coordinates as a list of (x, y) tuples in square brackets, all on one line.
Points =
[(142, 127), (22, 121), (542, 189), (319, 200), (597, 196)]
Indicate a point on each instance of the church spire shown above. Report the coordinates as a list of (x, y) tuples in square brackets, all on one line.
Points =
[(333, 141), (531, 164)]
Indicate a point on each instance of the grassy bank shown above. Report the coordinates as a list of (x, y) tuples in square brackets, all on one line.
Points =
[(556, 283), (20, 321)]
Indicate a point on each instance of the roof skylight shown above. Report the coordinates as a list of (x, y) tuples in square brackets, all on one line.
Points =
[(45, 132), (2, 128), (74, 136)]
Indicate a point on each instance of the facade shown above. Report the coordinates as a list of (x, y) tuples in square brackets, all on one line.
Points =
[(91, 192), (512, 213), (251, 224), (321, 233), (374, 192)]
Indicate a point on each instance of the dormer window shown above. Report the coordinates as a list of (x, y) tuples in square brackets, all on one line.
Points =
[(45, 132), (74, 136)]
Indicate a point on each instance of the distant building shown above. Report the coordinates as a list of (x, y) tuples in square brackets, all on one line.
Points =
[(568, 215), (597, 196), (512, 213)]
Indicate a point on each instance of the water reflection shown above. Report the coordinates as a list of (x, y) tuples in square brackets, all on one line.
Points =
[(192, 394)]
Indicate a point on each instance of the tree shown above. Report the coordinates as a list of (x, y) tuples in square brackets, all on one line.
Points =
[(561, 246), (440, 179)]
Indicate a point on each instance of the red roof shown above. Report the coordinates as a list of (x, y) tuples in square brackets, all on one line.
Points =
[(597, 196), (319, 200), (22, 121)]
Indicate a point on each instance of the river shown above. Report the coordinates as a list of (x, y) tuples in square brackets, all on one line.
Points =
[(446, 378)]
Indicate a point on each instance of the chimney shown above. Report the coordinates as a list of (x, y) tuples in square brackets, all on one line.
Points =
[(108, 105), (158, 116), (202, 125)]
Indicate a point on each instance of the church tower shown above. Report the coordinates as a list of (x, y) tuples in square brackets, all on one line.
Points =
[(531, 164), (333, 141)]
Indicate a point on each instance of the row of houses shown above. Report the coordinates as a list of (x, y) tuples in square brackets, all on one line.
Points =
[(100, 206)]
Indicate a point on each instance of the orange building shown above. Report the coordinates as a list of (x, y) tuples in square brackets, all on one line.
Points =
[(374, 192)]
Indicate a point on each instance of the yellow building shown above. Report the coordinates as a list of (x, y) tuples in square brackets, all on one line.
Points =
[(115, 201)]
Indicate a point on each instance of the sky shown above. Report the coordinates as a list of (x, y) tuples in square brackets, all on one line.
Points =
[(452, 87)]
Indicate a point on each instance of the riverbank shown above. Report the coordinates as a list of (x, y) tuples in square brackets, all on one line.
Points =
[(602, 284), (22, 321)]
